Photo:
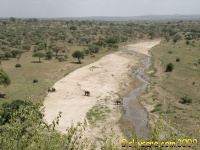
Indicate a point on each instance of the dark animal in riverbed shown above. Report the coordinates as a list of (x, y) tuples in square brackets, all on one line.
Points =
[(87, 93), (118, 102), (51, 89)]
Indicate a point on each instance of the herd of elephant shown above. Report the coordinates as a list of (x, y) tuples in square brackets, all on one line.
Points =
[(87, 93)]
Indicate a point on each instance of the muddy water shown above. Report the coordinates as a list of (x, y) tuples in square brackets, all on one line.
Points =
[(134, 113)]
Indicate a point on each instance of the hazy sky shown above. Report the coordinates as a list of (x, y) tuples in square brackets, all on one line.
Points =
[(81, 8)]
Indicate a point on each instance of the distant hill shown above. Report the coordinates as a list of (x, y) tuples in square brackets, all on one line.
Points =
[(134, 18)]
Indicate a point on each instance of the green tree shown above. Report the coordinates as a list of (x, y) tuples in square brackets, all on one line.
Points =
[(113, 40), (73, 28), (12, 19), (176, 37), (48, 55), (7, 54), (187, 42), (15, 52), (169, 67), (26, 47), (167, 38), (39, 55), (79, 55), (152, 34), (8, 109), (4, 78)]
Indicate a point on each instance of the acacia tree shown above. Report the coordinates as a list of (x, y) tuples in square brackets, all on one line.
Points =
[(79, 55), (39, 55)]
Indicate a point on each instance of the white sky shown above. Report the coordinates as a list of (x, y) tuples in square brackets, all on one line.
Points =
[(83, 8)]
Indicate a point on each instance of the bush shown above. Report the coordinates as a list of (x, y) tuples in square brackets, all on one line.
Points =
[(18, 65), (10, 108), (177, 59), (186, 100), (86, 52), (60, 59), (170, 67), (187, 42), (48, 55), (7, 54), (170, 52), (35, 80)]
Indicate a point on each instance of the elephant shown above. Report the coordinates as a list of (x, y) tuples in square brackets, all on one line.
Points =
[(87, 93), (118, 102)]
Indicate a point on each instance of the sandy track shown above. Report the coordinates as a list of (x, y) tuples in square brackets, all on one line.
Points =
[(102, 78)]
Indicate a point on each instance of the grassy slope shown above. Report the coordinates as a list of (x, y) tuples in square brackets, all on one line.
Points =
[(168, 88), (47, 73)]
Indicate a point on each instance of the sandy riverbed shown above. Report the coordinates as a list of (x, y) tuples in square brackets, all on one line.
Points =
[(103, 78)]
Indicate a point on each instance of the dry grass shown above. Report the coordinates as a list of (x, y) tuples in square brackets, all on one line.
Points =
[(168, 88)]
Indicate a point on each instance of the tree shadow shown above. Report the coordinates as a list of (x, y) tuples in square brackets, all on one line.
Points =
[(36, 62), (75, 62), (2, 95)]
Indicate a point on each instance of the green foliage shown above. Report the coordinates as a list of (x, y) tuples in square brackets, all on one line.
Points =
[(25, 129), (169, 67), (100, 43), (176, 37), (186, 100), (111, 45), (167, 38), (86, 52), (152, 34), (155, 110), (4, 78), (12, 19), (9, 109), (7, 54), (48, 55), (177, 59), (35, 81), (41, 46), (26, 47), (113, 40), (73, 28), (39, 55), (187, 42), (15, 52), (18, 65), (170, 52), (79, 55)]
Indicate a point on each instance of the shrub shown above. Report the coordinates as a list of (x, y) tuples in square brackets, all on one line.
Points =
[(18, 65), (48, 55), (86, 52), (8, 54), (177, 59), (35, 80), (187, 42), (170, 67), (60, 59), (186, 100), (170, 52)]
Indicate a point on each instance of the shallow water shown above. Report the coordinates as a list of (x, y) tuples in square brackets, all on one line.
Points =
[(134, 112)]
